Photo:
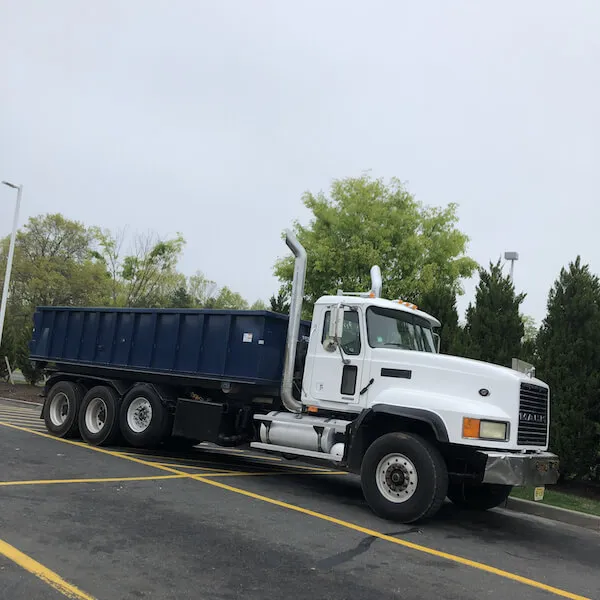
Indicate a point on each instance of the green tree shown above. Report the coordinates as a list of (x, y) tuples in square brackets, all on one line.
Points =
[(529, 341), (441, 303), (280, 303), (147, 275), (181, 298), (201, 289), (259, 305), (494, 327), (569, 355), (227, 299), (54, 264), (366, 222)]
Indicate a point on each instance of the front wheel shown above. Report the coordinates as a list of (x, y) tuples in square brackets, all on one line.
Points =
[(482, 496), (404, 477)]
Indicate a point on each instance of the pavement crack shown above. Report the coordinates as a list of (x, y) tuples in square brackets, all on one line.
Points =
[(338, 559), (347, 555)]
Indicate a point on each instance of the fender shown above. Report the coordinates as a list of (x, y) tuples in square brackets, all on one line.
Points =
[(356, 431), (119, 386)]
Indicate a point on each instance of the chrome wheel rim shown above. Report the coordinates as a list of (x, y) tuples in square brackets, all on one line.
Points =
[(95, 415), (396, 478), (139, 415), (59, 409)]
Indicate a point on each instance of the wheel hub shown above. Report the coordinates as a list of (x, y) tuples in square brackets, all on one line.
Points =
[(139, 415), (59, 409), (396, 478), (95, 415)]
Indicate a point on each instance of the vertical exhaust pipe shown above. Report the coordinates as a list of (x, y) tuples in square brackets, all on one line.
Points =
[(376, 281), (289, 402)]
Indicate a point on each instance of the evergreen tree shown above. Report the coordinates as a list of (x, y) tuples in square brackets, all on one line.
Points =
[(494, 328), (180, 298), (569, 361), (280, 303), (441, 303)]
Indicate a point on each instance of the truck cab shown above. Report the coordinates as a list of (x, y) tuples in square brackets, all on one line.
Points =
[(378, 340), (377, 398)]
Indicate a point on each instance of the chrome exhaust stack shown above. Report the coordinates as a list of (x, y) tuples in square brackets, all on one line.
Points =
[(289, 402), (376, 281)]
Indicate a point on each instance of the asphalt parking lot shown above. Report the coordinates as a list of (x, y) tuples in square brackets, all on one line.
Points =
[(212, 523)]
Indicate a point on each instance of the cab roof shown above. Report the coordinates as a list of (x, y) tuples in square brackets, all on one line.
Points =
[(399, 305)]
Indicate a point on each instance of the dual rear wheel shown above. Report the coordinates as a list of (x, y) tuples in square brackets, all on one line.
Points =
[(101, 417)]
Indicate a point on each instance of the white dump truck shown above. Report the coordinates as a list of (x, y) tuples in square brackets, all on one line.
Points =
[(362, 387)]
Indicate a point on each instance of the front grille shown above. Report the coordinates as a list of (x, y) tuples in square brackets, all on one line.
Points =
[(533, 416)]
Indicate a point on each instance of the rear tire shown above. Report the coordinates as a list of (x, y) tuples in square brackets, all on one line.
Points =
[(481, 496), (144, 420), (61, 409), (404, 477), (99, 416)]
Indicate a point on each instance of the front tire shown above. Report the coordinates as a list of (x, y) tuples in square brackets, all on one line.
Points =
[(482, 496), (404, 477), (61, 409), (144, 420), (99, 416)]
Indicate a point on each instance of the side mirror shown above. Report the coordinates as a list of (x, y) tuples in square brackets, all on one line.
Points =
[(336, 323), (336, 328), (438, 341)]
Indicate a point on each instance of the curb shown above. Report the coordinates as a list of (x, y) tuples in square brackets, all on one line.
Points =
[(26, 402), (554, 513)]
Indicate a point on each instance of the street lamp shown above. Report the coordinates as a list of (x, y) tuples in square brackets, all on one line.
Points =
[(11, 251), (512, 256)]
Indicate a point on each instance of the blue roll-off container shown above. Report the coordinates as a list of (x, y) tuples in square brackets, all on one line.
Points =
[(227, 345)]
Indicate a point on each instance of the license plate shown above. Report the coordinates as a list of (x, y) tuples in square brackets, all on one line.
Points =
[(538, 493)]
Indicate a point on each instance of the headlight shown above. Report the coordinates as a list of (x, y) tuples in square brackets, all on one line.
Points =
[(484, 430)]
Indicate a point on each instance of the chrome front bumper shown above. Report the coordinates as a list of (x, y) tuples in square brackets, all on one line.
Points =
[(520, 469)]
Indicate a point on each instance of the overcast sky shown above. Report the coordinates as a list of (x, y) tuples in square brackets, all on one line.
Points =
[(212, 119)]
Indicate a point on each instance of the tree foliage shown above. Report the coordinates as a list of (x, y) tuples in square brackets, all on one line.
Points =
[(280, 303), (54, 265), (494, 327), (146, 275), (441, 303), (569, 355), (59, 262), (529, 341), (365, 222)]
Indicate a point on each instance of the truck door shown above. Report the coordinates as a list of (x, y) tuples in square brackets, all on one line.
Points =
[(332, 380)]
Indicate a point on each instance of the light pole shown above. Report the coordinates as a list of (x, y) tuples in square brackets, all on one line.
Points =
[(512, 256), (11, 252)]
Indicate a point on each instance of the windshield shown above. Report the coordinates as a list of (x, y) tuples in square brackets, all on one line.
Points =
[(387, 328)]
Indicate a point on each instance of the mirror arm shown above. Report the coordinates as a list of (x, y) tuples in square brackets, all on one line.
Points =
[(345, 360)]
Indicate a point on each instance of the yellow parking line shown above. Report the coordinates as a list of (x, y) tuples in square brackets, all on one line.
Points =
[(225, 473), (166, 464), (346, 524), (96, 480), (45, 574)]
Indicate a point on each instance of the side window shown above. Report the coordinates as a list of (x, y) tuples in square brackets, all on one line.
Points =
[(351, 336)]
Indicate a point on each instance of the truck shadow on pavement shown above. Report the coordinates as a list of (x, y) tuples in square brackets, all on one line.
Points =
[(341, 496)]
